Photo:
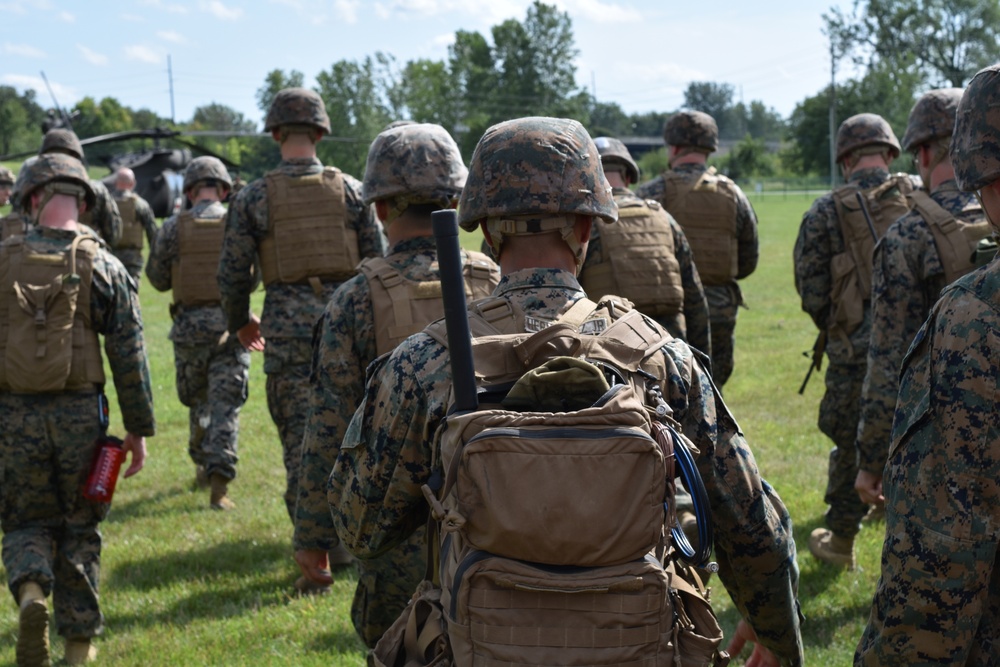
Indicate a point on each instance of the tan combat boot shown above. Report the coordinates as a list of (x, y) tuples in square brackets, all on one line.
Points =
[(830, 548), (80, 651), (33, 627), (220, 487)]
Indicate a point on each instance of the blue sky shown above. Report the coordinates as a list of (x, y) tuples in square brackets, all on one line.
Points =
[(638, 53)]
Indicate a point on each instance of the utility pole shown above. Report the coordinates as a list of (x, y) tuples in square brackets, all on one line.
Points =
[(833, 116), (170, 77)]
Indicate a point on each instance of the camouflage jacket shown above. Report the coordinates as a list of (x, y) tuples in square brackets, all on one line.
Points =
[(937, 598), (906, 281), (192, 326), (343, 347), (386, 456), (819, 240), (695, 304), (290, 311), (105, 218), (748, 251), (143, 214), (115, 314)]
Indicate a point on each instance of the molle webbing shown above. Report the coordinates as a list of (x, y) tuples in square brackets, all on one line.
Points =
[(956, 240), (638, 261), (886, 203), (403, 307), (706, 210), (195, 270), (25, 273), (132, 231), (307, 235)]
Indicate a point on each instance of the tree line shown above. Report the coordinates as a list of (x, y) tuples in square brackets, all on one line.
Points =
[(526, 67)]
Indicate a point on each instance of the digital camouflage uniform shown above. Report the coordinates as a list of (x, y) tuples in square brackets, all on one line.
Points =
[(6, 185), (104, 218), (290, 310), (387, 453), (695, 310), (723, 300), (132, 257), (819, 240), (938, 597), (212, 367), (51, 533)]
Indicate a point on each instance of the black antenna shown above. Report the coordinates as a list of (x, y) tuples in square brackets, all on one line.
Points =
[(62, 113)]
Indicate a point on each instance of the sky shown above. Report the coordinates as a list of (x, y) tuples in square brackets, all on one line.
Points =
[(641, 54)]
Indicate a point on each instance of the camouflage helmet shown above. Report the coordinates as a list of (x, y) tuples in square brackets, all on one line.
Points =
[(415, 163), (6, 176), (975, 145), (533, 176), (932, 117), (613, 151), (61, 140), (206, 168), (865, 129), (52, 168), (692, 128), (297, 106)]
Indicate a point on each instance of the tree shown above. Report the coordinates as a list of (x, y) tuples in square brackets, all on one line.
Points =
[(425, 91), (275, 81), (748, 158), (609, 119), (715, 99), (220, 117), (20, 121), (104, 117), (944, 41)]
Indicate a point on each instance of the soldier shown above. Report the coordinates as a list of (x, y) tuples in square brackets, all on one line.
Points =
[(104, 217), (18, 220), (310, 227), (937, 600), (412, 170), (213, 367), (137, 218), (535, 188), (718, 220), (6, 185), (922, 252), (51, 394), (833, 256), (645, 257)]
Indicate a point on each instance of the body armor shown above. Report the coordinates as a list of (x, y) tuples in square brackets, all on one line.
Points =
[(132, 231), (956, 240), (194, 271), (706, 210)]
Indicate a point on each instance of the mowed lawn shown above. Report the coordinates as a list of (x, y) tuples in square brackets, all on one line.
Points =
[(182, 585)]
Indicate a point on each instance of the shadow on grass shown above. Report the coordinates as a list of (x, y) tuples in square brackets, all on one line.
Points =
[(151, 505)]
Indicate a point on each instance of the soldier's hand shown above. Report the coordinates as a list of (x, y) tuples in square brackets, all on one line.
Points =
[(136, 444), (869, 487), (315, 565), (761, 657), (249, 335)]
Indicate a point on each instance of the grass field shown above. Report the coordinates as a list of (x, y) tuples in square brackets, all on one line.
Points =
[(182, 585)]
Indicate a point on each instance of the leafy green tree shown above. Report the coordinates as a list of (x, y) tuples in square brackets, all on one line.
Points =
[(426, 92), (609, 119), (276, 80), (748, 158), (220, 117), (20, 121), (104, 117)]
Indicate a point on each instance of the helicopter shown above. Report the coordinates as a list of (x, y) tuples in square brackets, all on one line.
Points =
[(159, 171)]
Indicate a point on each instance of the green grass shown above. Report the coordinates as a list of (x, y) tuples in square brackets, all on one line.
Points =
[(183, 585)]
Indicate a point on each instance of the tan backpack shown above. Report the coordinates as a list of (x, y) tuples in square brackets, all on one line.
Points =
[(551, 522), (957, 241)]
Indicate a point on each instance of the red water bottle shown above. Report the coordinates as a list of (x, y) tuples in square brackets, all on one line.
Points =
[(108, 459)]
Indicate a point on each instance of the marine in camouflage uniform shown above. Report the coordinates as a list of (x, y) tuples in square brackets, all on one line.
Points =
[(937, 600), (690, 321), (212, 367), (909, 274), (412, 170), (103, 217), (129, 248), (291, 309), (51, 542), (690, 137), (865, 147), (6, 185), (394, 436)]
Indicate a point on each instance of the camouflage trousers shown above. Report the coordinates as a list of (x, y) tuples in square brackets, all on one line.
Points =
[(51, 533), (132, 259), (386, 584), (723, 306), (213, 380), (839, 412), (289, 393)]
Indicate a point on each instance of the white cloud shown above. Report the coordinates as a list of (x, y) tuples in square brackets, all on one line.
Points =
[(171, 8), (221, 11), (37, 84), (489, 12), (595, 10), (171, 36), (67, 17), (347, 10), (23, 50), (92, 57), (143, 54), (313, 12)]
